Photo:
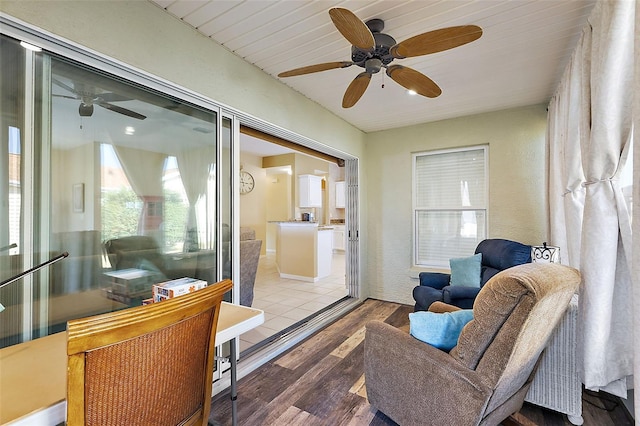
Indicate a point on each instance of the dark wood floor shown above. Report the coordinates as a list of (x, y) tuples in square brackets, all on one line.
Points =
[(321, 382)]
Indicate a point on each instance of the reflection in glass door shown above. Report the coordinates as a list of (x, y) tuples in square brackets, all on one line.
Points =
[(122, 177)]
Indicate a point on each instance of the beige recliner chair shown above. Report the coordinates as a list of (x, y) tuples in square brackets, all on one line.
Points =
[(484, 379)]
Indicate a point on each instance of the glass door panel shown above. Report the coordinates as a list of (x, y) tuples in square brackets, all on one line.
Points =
[(12, 98), (119, 176), (131, 200)]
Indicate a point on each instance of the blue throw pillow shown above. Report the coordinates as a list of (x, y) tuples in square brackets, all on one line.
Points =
[(440, 330), (466, 271)]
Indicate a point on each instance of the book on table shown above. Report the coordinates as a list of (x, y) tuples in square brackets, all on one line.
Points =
[(173, 288)]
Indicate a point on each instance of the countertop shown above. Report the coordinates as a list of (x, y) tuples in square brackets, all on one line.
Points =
[(303, 223), (299, 222)]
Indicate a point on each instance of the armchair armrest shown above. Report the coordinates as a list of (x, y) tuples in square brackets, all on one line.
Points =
[(435, 280), (401, 373), (454, 294), (441, 307)]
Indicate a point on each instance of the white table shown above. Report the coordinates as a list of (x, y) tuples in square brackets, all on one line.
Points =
[(232, 322), (33, 375)]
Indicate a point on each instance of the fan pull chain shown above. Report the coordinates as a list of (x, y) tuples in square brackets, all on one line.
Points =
[(383, 80)]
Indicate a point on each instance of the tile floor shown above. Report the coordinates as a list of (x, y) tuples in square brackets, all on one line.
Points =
[(286, 301)]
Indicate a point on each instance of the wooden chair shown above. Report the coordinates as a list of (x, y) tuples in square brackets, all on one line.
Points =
[(148, 365)]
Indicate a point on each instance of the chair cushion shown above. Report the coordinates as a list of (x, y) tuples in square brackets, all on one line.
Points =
[(501, 254), (440, 330), (466, 270)]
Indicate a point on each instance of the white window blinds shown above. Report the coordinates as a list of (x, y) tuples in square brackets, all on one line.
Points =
[(450, 204)]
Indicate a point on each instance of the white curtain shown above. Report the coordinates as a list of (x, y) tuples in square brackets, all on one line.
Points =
[(194, 166), (144, 170), (589, 138), (566, 193), (636, 216)]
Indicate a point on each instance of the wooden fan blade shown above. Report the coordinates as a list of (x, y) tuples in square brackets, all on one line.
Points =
[(356, 89), (315, 68), (352, 28), (411, 79), (121, 110), (436, 41)]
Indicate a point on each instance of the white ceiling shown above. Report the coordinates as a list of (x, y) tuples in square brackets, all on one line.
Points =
[(518, 61)]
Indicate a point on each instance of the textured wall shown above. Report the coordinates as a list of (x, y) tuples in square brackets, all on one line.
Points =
[(517, 199)]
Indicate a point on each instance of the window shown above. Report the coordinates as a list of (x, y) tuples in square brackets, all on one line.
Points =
[(449, 204)]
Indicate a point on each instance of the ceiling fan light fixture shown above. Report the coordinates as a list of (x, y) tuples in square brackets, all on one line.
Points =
[(85, 110), (412, 92), (373, 65)]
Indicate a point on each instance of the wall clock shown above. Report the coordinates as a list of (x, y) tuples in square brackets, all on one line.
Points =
[(246, 182)]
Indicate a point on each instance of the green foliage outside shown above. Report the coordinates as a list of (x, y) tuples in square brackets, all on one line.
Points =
[(121, 212), (175, 218)]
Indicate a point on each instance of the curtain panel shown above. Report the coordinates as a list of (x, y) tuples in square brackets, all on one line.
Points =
[(590, 132), (636, 213), (195, 166), (144, 170)]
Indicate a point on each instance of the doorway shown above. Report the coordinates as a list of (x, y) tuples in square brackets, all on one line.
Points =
[(289, 301)]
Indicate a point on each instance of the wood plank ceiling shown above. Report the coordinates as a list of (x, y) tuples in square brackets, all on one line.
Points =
[(518, 61)]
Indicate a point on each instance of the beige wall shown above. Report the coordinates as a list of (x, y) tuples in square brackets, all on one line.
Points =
[(70, 167), (279, 204), (517, 200), (253, 206)]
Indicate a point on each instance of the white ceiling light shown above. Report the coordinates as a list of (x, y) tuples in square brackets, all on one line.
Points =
[(412, 92), (129, 130)]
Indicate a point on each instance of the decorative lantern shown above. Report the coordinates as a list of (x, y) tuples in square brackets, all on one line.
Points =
[(545, 254)]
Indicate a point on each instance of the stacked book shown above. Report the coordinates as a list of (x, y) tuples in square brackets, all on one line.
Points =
[(131, 285)]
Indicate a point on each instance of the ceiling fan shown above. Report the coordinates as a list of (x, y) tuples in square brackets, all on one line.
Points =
[(373, 50), (88, 97)]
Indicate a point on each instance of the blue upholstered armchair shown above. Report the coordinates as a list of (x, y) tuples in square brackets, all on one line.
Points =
[(497, 255)]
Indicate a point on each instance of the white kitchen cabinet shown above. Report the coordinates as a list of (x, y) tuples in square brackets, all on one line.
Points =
[(339, 238), (310, 190), (340, 195)]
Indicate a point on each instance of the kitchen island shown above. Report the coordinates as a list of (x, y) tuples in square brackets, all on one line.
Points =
[(303, 250)]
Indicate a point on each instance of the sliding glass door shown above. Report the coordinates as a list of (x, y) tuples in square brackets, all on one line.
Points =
[(132, 183)]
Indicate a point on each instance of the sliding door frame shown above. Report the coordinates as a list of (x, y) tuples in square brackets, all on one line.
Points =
[(352, 201)]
